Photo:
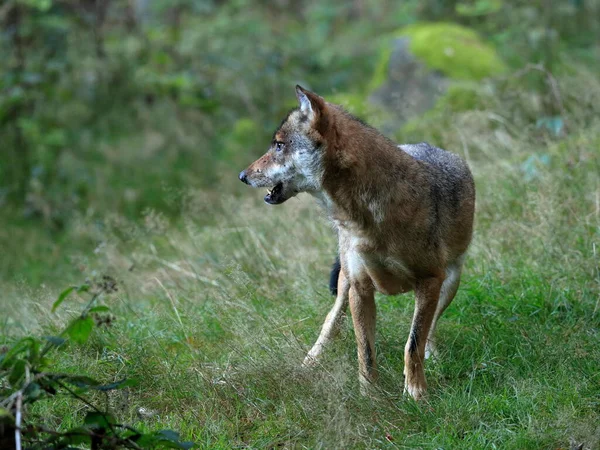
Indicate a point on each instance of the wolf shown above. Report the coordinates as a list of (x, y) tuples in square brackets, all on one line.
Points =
[(403, 216)]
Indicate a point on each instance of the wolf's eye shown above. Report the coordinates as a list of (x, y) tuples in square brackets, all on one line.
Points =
[(279, 146)]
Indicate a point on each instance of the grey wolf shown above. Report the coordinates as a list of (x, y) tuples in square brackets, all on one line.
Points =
[(403, 215)]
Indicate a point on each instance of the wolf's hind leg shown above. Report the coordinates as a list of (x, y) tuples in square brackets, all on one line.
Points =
[(427, 293), (447, 293), (331, 327)]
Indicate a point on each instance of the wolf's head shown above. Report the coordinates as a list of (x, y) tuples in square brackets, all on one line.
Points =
[(293, 163)]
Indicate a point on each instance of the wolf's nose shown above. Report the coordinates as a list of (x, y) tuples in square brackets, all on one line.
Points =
[(243, 177)]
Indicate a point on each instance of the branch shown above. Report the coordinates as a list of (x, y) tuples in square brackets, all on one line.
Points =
[(18, 416)]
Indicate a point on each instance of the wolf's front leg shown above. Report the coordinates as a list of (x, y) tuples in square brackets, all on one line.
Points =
[(427, 293), (362, 306), (332, 323)]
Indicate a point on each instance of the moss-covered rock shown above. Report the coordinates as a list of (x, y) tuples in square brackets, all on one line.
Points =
[(456, 51), (422, 64), (403, 85)]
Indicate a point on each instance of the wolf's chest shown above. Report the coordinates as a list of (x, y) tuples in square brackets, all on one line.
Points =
[(389, 273)]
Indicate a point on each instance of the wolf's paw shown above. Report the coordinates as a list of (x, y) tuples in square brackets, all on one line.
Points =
[(367, 385), (314, 355), (309, 361), (415, 389)]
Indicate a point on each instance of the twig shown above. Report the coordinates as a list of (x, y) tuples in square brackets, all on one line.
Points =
[(77, 396), (82, 399), (7, 402), (18, 416), (110, 425), (91, 302)]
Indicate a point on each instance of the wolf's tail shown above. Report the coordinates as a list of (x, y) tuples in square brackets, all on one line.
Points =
[(335, 274)]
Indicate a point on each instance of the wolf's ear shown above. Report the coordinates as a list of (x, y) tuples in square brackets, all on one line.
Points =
[(305, 106), (311, 105)]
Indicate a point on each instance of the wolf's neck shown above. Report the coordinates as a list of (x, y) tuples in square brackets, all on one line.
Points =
[(364, 173)]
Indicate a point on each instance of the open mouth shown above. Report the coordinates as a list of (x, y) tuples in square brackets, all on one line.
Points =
[(275, 196)]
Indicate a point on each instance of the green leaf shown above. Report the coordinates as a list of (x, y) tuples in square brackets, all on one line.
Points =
[(55, 340), (64, 294), (17, 372), (78, 436), (95, 419), (61, 298), (171, 444), (161, 439), (145, 440), (99, 308), (168, 435), (5, 413), (34, 351), (171, 438), (21, 346), (79, 330), (124, 383), (82, 381), (32, 392)]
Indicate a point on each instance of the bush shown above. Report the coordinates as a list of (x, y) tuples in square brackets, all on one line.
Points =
[(27, 377)]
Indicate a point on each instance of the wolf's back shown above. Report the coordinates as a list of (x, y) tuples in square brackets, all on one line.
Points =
[(449, 166), (451, 184)]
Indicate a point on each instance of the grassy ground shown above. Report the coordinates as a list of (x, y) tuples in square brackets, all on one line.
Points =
[(216, 311)]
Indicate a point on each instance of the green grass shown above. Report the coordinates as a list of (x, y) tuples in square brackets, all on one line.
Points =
[(216, 311)]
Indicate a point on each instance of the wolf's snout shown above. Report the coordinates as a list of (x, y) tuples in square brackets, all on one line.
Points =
[(243, 177)]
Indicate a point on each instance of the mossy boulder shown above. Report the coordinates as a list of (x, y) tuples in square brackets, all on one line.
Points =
[(419, 63), (404, 86), (456, 51)]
